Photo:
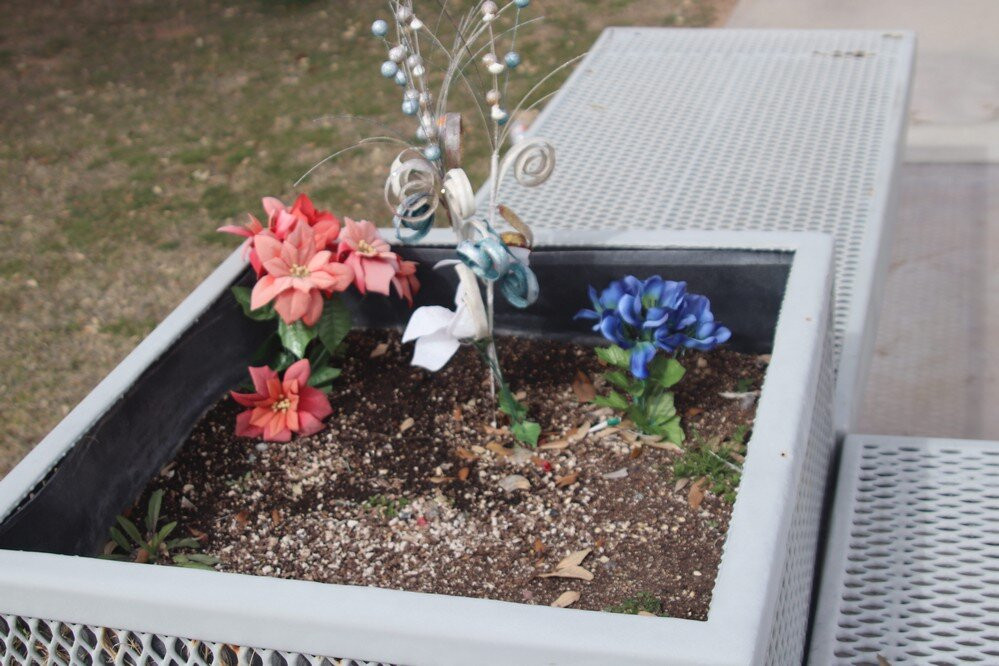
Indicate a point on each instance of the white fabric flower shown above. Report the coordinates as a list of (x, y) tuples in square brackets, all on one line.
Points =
[(439, 331)]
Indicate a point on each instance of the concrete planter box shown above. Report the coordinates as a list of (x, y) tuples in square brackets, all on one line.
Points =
[(772, 290)]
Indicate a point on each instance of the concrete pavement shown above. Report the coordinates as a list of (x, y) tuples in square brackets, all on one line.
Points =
[(936, 368)]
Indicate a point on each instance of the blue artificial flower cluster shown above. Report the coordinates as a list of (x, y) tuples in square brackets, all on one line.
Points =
[(646, 316)]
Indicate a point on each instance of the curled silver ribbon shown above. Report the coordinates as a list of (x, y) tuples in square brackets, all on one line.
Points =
[(411, 194), (533, 161)]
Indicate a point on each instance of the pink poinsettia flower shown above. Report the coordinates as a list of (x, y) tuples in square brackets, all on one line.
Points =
[(367, 253), (249, 231), (405, 282), (297, 275), (281, 406), (281, 221)]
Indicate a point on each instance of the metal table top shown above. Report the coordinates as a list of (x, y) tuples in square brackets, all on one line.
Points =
[(778, 130)]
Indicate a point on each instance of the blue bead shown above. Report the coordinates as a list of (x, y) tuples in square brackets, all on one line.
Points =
[(400, 78), (512, 59), (379, 28), (432, 152), (410, 107), (522, 3), (389, 69)]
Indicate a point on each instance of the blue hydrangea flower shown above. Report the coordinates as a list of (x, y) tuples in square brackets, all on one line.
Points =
[(650, 315)]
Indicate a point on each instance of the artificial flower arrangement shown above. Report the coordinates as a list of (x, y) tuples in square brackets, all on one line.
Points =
[(304, 257)]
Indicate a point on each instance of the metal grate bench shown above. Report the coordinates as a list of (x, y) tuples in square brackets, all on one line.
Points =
[(764, 130), (912, 569)]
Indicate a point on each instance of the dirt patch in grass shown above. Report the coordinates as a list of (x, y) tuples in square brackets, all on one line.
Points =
[(409, 494), (133, 129)]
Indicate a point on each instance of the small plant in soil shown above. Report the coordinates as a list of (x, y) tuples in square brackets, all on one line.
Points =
[(153, 545), (716, 460), (389, 507), (642, 319), (643, 602)]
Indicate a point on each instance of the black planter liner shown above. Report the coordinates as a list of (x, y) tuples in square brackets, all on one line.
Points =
[(70, 511)]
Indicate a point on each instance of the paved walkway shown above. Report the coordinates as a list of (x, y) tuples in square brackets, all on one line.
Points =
[(936, 367), (955, 102)]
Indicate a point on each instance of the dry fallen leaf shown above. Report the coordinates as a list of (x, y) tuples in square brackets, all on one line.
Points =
[(693, 411), (646, 614), (498, 449), (554, 444), (680, 484), (567, 480), (574, 559), (580, 432), (379, 350), (456, 414), (242, 517), (489, 430), (197, 534), (465, 454), (441, 479), (665, 446), (276, 516), (566, 599), (882, 661), (569, 572), (583, 387), (463, 474), (514, 482), (407, 424), (696, 494), (635, 452), (617, 474), (539, 546)]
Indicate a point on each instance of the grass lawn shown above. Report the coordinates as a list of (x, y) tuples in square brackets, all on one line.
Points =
[(133, 129)]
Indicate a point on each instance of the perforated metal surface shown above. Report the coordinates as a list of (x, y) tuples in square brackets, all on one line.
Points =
[(912, 572), (31, 642), (794, 601), (736, 129)]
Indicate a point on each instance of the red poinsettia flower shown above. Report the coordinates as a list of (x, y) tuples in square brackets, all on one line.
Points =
[(297, 275), (281, 406)]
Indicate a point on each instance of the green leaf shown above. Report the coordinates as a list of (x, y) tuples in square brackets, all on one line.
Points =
[(615, 356), (660, 409), (118, 557), (120, 539), (672, 430), (283, 361), (165, 531), (186, 542), (296, 337), (323, 376), (618, 379), (509, 405), (334, 324), (153, 510), (614, 400), (202, 558), (666, 371), (264, 313), (131, 530), (527, 432)]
